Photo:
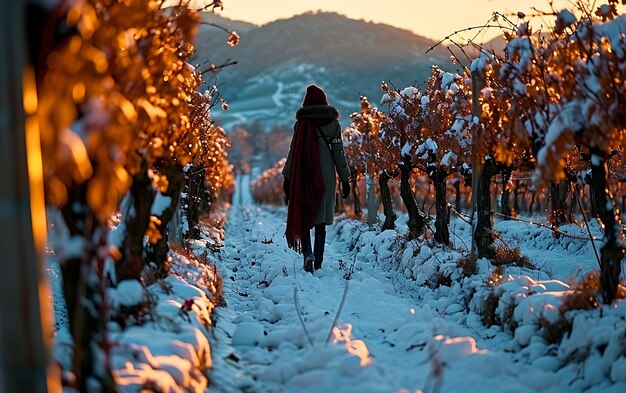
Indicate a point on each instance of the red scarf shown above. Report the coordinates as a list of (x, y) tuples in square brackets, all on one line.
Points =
[(306, 184)]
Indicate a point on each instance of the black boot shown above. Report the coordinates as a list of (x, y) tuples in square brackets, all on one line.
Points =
[(320, 242), (309, 259)]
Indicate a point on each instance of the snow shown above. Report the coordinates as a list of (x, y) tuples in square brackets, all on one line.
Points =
[(447, 80), (614, 30), (406, 149), (429, 145), (387, 99), (72, 248), (566, 17), (277, 96), (453, 349), (570, 119), (409, 92), (525, 48), (161, 202), (398, 329), (401, 328), (449, 158), (128, 293), (481, 63), (596, 160), (248, 332), (162, 345)]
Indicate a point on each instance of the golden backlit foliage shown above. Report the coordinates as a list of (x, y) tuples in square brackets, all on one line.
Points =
[(233, 39), (428, 129), (219, 171), (530, 81), (503, 138), (401, 128), (580, 75), (575, 77), (115, 95), (430, 125), (548, 102), (353, 149), (268, 187), (214, 145), (446, 120), (364, 149), (120, 115)]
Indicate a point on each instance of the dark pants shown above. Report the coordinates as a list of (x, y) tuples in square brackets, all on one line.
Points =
[(318, 247)]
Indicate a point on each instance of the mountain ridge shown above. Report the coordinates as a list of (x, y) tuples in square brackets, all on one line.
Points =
[(346, 57)]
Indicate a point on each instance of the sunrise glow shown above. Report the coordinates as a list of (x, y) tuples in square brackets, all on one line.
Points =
[(434, 20)]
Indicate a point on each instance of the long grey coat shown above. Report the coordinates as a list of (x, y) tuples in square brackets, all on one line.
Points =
[(332, 159)]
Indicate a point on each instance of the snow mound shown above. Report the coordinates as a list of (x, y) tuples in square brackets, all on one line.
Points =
[(453, 349)]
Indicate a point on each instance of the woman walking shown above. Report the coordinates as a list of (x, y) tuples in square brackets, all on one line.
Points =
[(315, 158)]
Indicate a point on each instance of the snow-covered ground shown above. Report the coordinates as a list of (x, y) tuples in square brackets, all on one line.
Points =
[(159, 340), (400, 331), (411, 321)]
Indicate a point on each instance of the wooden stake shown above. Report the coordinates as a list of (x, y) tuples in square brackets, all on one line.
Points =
[(25, 326)]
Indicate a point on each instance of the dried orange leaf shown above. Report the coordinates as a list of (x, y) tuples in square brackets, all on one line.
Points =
[(233, 39)]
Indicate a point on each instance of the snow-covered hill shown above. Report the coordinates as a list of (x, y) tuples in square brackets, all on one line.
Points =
[(276, 62)]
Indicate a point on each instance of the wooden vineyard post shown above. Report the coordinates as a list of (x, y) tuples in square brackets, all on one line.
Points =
[(478, 81), (372, 203), (25, 326)]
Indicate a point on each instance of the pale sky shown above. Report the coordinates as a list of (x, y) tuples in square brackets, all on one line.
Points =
[(429, 18)]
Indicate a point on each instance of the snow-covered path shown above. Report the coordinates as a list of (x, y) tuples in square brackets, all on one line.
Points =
[(386, 340)]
